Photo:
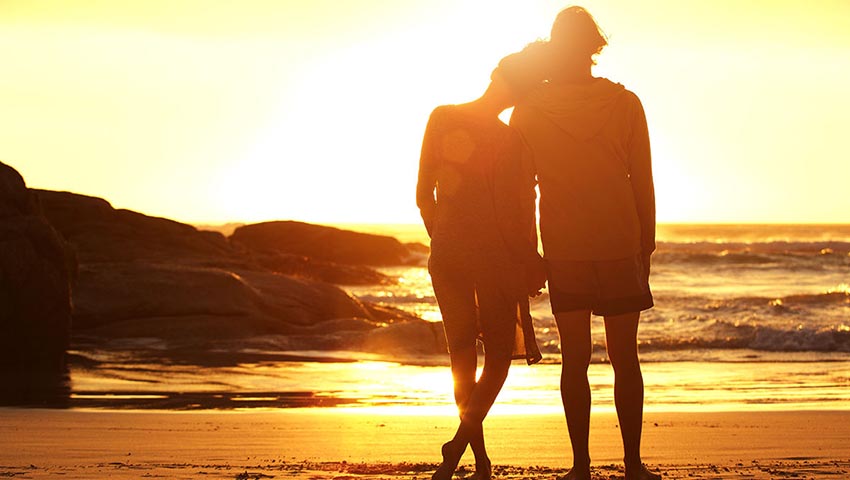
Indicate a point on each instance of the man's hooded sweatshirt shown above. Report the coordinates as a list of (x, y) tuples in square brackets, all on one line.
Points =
[(589, 147)]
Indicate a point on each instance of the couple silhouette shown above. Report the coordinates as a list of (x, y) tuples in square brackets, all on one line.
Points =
[(584, 142)]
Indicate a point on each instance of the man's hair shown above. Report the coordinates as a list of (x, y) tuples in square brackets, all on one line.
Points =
[(576, 36)]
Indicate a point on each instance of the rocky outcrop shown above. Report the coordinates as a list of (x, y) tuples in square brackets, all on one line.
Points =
[(269, 302), (36, 269), (153, 278), (306, 267), (101, 233), (324, 243), (406, 338), (149, 276)]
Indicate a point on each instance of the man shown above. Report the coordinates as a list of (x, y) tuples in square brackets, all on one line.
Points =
[(588, 144)]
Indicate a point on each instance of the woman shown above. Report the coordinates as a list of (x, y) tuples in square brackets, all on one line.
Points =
[(588, 142), (484, 259)]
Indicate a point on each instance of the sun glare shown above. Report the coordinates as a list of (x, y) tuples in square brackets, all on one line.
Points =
[(359, 115), (272, 110)]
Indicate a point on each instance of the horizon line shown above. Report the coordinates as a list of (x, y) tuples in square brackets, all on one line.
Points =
[(418, 224)]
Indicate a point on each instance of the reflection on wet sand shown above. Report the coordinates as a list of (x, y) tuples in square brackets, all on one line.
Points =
[(170, 400), (354, 382)]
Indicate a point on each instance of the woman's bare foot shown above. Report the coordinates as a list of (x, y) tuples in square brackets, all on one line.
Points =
[(641, 473), (483, 471), (452, 452)]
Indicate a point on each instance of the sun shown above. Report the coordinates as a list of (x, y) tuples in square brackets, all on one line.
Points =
[(342, 144)]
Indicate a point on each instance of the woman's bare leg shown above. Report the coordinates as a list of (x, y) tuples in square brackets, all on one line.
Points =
[(576, 348), (464, 368), (483, 395)]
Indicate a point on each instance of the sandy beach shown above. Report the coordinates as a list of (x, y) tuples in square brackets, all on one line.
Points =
[(216, 221), (345, 444)]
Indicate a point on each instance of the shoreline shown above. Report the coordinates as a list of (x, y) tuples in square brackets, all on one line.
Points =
[(262, 381), (329, 443)]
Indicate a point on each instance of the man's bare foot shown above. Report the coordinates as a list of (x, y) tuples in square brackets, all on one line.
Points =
[(452, 452), (641, 473), (576, 474)]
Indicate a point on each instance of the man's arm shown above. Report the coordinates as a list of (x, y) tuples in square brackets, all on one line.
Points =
[(640, 173)]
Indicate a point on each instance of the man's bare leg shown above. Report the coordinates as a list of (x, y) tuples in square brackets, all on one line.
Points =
[(621, 340), (576, 348)]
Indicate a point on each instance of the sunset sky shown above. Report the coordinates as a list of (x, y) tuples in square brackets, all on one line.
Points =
[(216, 111)]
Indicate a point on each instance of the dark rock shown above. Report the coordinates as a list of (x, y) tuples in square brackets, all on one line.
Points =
[(35, 299), (419, 253), (388, 314), (100, 233), (323, 243), (15, 199), (169, 301), (345, 325), (143, 278), (406, 338), (306, 267), (303, 302)]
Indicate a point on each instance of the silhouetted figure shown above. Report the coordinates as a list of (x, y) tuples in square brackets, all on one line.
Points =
[(484, 261), (588, 142)]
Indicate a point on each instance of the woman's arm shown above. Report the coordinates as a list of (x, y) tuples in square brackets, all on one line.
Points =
[(535, 268), (428, 165), (528, 204), (527, 176)]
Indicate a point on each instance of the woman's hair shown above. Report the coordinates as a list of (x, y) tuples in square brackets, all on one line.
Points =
[(576, 37), (525, 70)]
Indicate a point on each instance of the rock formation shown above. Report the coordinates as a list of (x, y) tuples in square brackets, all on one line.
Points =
[(36, 269), (324, 243), (147, 277), (101, 233)]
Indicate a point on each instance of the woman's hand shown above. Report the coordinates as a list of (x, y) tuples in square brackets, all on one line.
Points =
[(645, 260), (535, 276)]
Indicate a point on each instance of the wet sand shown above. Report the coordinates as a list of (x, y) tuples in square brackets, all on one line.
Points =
[(328, 443)]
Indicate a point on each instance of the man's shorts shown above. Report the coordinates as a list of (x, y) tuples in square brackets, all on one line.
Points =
[(606, 288)]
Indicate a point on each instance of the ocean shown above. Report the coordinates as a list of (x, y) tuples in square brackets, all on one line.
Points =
[(764, 289), (746, 316)]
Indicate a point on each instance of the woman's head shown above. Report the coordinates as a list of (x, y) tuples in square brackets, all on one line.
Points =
[(576, 37), (521, 72), (499, 94)]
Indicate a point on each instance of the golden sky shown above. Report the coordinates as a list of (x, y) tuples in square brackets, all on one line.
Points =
[(214, 111)]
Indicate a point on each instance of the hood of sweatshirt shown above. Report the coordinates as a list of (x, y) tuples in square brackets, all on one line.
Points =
[(581, 110)]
